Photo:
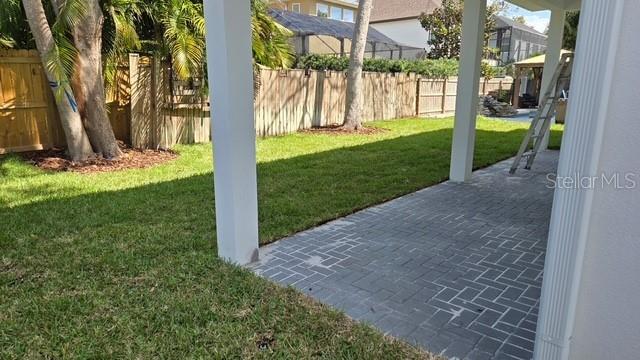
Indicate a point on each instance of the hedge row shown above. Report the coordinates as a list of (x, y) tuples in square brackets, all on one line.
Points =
[(440, 68), (431, 68)]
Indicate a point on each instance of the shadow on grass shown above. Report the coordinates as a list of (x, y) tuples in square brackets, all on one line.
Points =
[(294, 193)]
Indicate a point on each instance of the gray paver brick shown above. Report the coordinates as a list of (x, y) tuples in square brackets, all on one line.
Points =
[(454, 268)]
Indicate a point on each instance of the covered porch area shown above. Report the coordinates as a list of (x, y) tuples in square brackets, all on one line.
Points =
[(561, 332)]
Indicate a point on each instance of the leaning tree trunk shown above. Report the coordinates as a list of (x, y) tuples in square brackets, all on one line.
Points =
[(88, 81), (77, 140), (353, 111)]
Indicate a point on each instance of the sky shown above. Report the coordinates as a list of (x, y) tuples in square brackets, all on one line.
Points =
[(538, 19)]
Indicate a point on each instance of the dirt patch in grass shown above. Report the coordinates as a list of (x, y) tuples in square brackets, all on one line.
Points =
[(338, 130), (56, 160)]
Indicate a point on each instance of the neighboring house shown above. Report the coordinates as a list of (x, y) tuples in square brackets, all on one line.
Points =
[(343, 10), (516, 41), (399, 20), (320, 35), (340, 10)]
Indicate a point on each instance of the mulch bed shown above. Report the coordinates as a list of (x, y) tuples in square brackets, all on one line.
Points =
[(55, 160), (338, 130)]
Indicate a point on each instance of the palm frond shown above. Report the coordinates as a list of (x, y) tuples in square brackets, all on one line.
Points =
[(6, 42), (271, 45), (60, 62), (120, 36), (68, 15), (183, 24)]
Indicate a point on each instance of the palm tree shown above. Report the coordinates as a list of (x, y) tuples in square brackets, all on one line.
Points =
[(353, 112), (57, 60), (88, 81)]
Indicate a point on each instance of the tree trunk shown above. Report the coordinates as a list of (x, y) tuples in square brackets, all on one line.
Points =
[(353, 111), (77, 140), (88, 81)]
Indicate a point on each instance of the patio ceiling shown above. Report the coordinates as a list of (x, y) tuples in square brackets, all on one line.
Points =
[(538, 5)]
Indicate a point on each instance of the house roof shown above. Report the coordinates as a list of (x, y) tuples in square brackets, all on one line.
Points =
[(305, 25), (502, 22), (389, 10)]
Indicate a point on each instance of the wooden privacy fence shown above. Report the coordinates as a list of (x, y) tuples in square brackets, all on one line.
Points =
[(149, 107), (292, 100)]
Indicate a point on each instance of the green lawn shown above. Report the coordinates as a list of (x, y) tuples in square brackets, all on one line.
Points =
[(123, 264)]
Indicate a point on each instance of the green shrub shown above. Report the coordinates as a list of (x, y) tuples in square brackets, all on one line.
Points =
[(322, 62), (434, 68), (440, 68), (487, 71)]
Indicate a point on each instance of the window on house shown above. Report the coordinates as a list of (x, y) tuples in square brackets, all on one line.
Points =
[(322, 10), (295, 7), (336, 13), (347, 15)]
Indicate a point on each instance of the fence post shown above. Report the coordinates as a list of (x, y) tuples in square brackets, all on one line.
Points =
[(418, 81), (135, 103), (157, 93), (444, 95)]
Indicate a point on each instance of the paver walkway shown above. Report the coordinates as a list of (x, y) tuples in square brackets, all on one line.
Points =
[(454, 268)]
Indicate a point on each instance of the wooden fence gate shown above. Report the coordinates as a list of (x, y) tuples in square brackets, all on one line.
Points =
[(27, 119)]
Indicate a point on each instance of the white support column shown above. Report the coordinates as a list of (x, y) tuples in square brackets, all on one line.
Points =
[(233, 131), (464, 131), (554, 49), (581, 147)]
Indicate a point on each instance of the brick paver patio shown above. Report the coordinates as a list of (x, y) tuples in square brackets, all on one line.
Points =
[(454, 268)]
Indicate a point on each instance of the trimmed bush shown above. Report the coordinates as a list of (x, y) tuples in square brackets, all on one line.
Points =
[(440, 68)]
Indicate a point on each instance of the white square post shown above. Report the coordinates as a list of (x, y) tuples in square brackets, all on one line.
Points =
[(464, 131), (229, 62)]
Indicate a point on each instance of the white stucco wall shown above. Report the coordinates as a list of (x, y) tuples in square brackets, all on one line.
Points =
[(408, 32), (608, 310)]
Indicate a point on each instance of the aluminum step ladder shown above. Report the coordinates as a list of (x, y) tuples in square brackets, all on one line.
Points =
[(541, 123)]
